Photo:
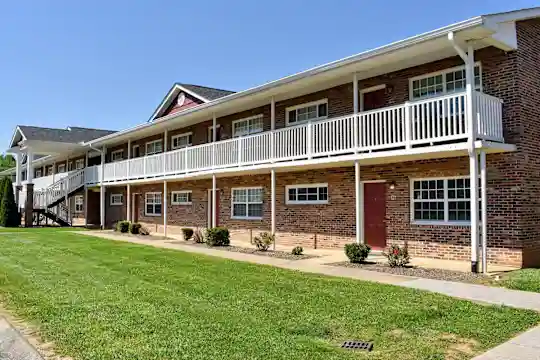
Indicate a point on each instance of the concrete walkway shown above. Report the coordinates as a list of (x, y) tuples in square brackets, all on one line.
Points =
[(524, 347), (13, 346)]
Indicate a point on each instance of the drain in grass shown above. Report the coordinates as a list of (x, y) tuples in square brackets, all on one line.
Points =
[(357, 345)]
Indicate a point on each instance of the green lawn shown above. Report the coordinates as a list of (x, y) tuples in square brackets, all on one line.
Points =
[(100, 299), (525, 279)]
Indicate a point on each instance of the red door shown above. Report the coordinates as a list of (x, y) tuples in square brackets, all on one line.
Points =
[(374, 100), (375, 215)]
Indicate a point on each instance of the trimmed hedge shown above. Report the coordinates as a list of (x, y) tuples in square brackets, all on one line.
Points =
[(218, 236), (135, 228), (123, 226), (357, 253)]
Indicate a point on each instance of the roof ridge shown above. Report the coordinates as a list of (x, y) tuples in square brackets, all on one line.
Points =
[(204, 86)]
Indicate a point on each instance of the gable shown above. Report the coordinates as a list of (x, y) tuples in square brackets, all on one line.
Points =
[(181, 102)]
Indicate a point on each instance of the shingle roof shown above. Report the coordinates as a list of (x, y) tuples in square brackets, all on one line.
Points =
[(207, 92), (70, 135)]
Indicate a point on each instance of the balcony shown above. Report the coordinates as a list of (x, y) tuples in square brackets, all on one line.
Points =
[(418, 124)]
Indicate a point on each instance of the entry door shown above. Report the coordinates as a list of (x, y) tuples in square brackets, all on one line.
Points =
[(375, 215), (374, 100), (210, 208)]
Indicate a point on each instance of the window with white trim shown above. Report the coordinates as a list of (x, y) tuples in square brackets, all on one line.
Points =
[(152, 204), (247, 203), (79, 203), (307, 194), (182, 141), (443, 82), (154, 147), (79, 164), (441, 200), (117, 155), (248, 126), (38, 173), (61, 168), (181, 197), (117, 199), (49, 170), (299, 114)]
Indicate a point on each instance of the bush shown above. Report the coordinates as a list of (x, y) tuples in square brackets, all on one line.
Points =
[(298, 250), (397, 256), (9, 214), (122, 226), (135, 228), (144, 230), (357, 253), (198, 237), (263, 241), (188, 233), (218, 236)]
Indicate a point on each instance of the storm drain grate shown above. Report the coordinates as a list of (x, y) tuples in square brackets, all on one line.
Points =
[(357, 345)]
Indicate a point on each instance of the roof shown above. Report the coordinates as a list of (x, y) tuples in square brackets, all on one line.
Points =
[(206, 92), (70, 135)]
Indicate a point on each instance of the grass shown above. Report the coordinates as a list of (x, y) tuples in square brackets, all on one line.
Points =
[(40, 229), (100, 299), (524, 279)]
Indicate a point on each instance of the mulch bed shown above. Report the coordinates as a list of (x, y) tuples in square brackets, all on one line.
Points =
[(270, 253), (437, 274)]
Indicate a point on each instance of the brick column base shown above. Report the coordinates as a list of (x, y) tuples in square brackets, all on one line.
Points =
[(29, 205)]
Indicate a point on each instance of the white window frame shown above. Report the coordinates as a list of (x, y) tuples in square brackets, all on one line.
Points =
[(209, 133), (79, 164), (159, 141), (248, 119), (38, 173), (176, 137), (117, 199), (304, 105), (247, 217), (114, 155), (146, 213), (307, 202), (79, 201), (443, 73), (61, 168), (181, 192), (133, 151), (446, 220), (49, 170)]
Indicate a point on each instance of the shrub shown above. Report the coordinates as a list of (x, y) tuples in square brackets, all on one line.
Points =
[(9, 214), (357, 253), (298, 250), (198, 237), (263, 241), (218, 236), (188, 233), (397, 256), (122, 226), (143, 230), (135, 228)]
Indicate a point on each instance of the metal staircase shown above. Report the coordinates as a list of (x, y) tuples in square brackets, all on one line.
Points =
[(50, 202)]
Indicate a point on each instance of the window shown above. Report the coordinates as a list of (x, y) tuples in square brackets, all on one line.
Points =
[(117, 199), (247, 203), (152, 204), (182, 141), (38, 173), (248, 126), (61, 168), (442, 82), (181, 198), (79, 204), (49, 170), (117, 155), (307, 194), (136, 151), (154, 147), (443, 200), (79, 164), (311, 111)]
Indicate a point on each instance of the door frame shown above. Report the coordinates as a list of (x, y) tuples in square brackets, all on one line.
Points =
[(367, 90), (363, 233), (209, 207)]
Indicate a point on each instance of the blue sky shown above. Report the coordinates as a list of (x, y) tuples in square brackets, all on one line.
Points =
[(108, 64)]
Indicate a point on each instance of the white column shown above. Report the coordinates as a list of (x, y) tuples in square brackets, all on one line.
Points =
[(85, 205), (102, 189), (483, 190), (273, 196), (165, 149), (129, 149), (214, 125), (18, 169), (86, 160), (473, 168), (29, 167), (272, 127), (128, 195), (214, 201), (358, 203), (53, 171), (356, 106), (165, 196), (470, 103)]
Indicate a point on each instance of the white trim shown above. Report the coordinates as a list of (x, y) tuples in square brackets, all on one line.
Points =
[(307, 202), (304, 105), (146, 153), (77, 162), (116, 203), (368, 90), (173, 92), (61, 166), (246, 203), (137, 146), (77, 197), (442, 72), (179, 136), (38, 173), (116, 152), (209, 137), (258, 116), (173, 202), (146, 203)]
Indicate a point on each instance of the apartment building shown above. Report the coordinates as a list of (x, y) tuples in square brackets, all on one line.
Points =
[(431, 141)]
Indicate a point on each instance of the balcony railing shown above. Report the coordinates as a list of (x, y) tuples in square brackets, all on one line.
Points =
[(413, 124)]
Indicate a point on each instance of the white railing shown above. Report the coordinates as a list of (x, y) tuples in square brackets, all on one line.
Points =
[(418, 123), (45, 197)]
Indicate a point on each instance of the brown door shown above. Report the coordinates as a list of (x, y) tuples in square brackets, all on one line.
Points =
[(375, 215), (374, 100), (210, 208)]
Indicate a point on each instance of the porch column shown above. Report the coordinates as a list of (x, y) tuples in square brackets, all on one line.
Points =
[(18, 169), (29, 167), (102, 189), (272, 127), (358, 204), (128, 209), (86, 160), (86, 204), (165, 146), (483, 191), (355, 94), (165, 208), (53, 171), (214, 201), (273, 196)]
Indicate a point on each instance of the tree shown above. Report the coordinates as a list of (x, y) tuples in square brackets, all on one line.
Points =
[(3, 182), (9, 214), (6, 162)]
